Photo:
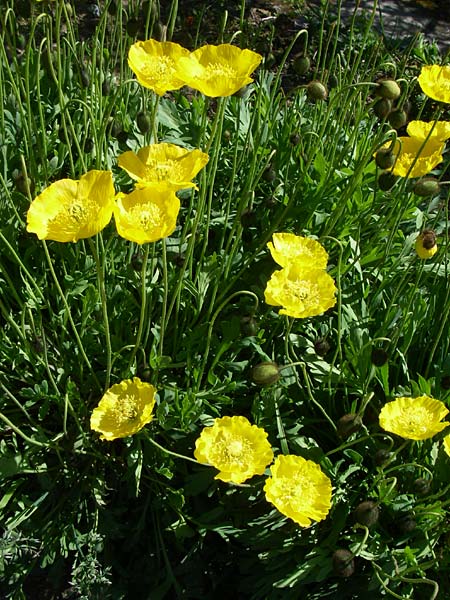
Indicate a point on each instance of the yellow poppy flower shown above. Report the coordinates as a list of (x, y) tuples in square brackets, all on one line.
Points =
[(425, 245), (440, 130), (164, 162), (147, 214), (299, 489), (287, 248), (435, 82), (301, 292), (414, 418), (124, 409), (154, 64), (218, 70), (70, 210), (236, 448), (416, 157)]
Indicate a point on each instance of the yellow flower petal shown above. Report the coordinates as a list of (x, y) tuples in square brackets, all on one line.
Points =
[(435, 82), (236, 448), (446, 444), (160, 163), (287, 248), (124, 409), (301, 292), (415, 157), (147, 214), (414, 418), (218, 70), (154, 64), (70, 210), (299, 489), (439, 130)]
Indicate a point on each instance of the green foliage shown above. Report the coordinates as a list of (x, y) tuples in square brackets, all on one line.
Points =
[(82, 518)]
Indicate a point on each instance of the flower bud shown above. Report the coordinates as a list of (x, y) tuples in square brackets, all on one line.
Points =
[(386, 181), (249, 326), (143, 122), (106, 87), (388, 88), (348, 424), (248, 217), (269, 174), (343, 563), (421, 486), (266, 373), (385, 158), (366, 513), (405, 523), (132, 27), (379, 357), (316, 91), (321, 346), (425, 245), (398, 118), (294, 138), (382, 108), (302, 65), (429, 186), (381, 456)]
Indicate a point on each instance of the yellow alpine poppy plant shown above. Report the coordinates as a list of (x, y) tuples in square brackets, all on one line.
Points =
[(299, 489), (416, 157), (154, 64), (218, 70), (70, 210), (163, 162), (439, 130), (124, 409), (147, 214), (414, 418), (236, 448), (435, 82), (287, 248), (301, 292)]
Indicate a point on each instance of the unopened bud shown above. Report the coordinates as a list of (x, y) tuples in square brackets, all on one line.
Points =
[(266, 373), (316, 91), (382, 108), (367, 513), (427, 187), (348, 424), (343, 563), (388, 88), (302, 65), (385, 158), (398, 118)]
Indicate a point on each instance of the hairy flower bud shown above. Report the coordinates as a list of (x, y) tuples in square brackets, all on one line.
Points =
[(382, 108), (302, 65), (343, 563), (367, 513), (429, 186), (385, 158), (265, 373), (348, 424), (388, 88), (316, 91)]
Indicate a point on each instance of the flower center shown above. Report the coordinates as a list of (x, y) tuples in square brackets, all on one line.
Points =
[(300, 290), (415, 421), (169, 170), (147, 216), (158, 67), (78, 211), (220, 71)]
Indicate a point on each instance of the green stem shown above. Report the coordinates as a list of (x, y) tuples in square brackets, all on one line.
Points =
[(143, 306)]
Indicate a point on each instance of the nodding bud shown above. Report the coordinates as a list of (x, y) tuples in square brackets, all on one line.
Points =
[(343, 563), (348, 424), (405, 523), (382, 108), (386, 181), (321, 346), (366, 513), (266, 373), (249, 326), (294, 138), (422, 486), (398, 118), (388, 88), (385, 158), (379, 357), (429, 186), (381, 456), (143, 122), (302, 65), (316, 91)]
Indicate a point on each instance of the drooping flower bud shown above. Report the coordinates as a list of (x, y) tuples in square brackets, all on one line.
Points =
[(367, 513), (316, 91), (385, 158), (265, 373), (343, 563), (348, 424), (388, 88), (429, 186)]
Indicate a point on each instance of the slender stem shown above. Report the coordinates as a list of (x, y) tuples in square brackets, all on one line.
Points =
[(143, 306), (69, 315), (101, 286), (170, 453)]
